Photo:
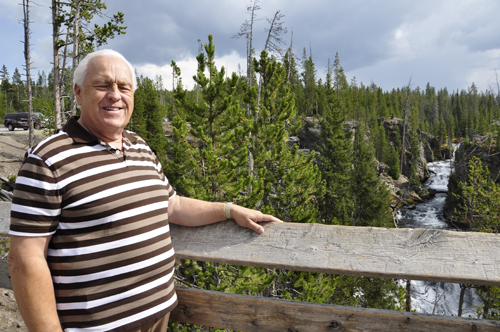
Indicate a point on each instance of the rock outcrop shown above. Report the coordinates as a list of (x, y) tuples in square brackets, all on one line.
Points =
[(309, 139)]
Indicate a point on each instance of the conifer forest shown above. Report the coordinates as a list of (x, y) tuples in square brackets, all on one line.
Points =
[(282, 140)]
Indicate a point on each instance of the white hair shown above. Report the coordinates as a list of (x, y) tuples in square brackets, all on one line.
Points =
[(81, 69)]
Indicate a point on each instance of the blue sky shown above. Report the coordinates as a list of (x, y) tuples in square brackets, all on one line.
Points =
[(446, 43)]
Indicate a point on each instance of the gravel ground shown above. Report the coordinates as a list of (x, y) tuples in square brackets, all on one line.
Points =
[(13, 146)]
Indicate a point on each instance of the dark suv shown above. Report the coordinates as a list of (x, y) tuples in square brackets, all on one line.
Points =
[(20, 120)]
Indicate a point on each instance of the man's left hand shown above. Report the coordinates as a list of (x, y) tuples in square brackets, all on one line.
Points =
[(249, 218)]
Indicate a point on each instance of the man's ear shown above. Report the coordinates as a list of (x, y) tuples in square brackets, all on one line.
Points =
[(78, 94)]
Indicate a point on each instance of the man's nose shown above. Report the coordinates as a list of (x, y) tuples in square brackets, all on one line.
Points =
[(114, 92)]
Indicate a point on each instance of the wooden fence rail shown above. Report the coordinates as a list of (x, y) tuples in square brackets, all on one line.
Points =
[(416, 254)]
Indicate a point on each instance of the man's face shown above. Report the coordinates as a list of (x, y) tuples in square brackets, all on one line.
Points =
[(107, 97)]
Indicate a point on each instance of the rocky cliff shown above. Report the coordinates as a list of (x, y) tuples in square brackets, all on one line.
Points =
[(402, 192), (486, 151)]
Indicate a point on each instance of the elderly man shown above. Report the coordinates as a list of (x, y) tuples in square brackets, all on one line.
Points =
[(90, 241)]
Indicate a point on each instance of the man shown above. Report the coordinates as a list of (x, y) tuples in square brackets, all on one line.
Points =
[(90, 242)]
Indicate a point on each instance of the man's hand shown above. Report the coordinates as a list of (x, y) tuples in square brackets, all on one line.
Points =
[(249, 218), (193, 212)]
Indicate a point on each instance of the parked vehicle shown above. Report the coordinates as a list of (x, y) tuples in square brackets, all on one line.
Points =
[(20, 120)]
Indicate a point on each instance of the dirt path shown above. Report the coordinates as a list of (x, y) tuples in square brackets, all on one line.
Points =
[(10, 318), (13, 146)]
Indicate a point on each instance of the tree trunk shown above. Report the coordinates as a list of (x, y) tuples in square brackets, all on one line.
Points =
[(408, 295), (27, 57), (486, 308), (463, 288), (57, 65), (75, 56), (290, 57)]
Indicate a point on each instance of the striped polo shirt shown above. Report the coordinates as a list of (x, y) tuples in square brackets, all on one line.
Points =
[(110, 254)]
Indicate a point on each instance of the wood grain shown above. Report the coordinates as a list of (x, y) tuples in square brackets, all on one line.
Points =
[(416, 254)]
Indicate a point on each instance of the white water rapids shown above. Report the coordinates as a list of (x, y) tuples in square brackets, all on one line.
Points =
[(436, 297)]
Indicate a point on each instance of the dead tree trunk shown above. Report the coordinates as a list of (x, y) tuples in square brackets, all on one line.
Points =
[(56, 26), (76, 34), (408, 295), (405, 124), (246, 31), (27, 58), (463, 288)]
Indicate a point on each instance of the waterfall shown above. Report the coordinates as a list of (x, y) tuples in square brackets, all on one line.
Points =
[(437, 297)]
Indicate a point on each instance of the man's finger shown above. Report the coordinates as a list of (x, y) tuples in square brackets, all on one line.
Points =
[(268, 218), (254, 227)]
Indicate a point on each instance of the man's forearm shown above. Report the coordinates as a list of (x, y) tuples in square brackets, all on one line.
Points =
[(192, 212), (33, 289)]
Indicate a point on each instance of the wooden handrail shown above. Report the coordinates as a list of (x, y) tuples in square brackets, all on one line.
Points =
[(404, 253), (416, 254)]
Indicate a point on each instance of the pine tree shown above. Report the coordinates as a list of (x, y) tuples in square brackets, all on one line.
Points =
[(382, 147), (394, 162), (19, 92), (137, 121), (310, 106), (289, 179), (219, 128), (480, 199), (335, 163), (5, 88), (370, 196), (147, 122), (294, 81)]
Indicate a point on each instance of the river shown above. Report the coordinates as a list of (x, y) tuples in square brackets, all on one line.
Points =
[(436, 297)]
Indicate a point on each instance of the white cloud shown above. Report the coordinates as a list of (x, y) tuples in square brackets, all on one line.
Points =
[(448, 43), (41, 56), (189, 67)]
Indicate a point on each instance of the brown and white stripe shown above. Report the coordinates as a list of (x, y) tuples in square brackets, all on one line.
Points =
[(110, 254)]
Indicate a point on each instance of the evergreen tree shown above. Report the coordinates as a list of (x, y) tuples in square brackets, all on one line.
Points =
[(288, 178), (137, 121), (370, 196), (414, 154), (480, 199), (310, 106), (341, 86), (335, 162), (294, 81), (219, 129), (19, 92), (394, 163), (150, 125), (382, 147), (377, 293), (5, 88)]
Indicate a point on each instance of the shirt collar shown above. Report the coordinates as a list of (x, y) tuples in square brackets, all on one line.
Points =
[(81, 135)]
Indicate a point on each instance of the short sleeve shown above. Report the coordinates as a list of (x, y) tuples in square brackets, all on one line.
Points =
[(36, 205)]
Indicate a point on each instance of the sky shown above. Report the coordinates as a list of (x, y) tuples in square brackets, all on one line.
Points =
[(446, 43)]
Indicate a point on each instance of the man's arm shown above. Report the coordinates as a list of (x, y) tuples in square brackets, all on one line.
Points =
[(192, 212), (32, 283)]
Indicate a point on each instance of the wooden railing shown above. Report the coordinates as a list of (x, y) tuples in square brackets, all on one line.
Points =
[(415, 254)]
